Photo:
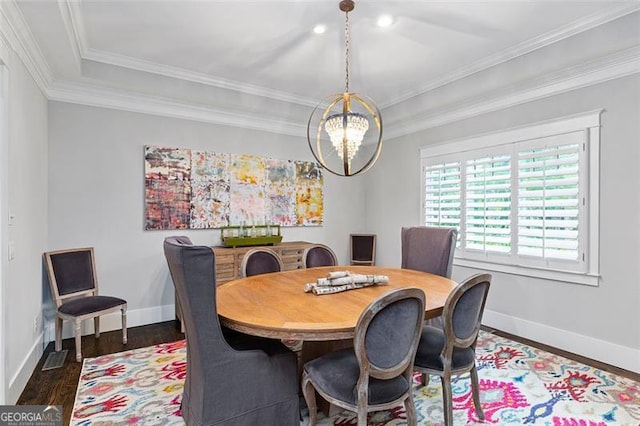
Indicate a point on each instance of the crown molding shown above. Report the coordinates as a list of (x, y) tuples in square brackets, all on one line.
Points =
[(528, 46), (17, 34), (20, 39), (616, 65), (134, 102), (201, 78), (76, 29), (521, 49), (72, 30)]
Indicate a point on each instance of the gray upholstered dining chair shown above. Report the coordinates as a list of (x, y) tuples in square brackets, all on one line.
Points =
[(221, 362), (450, 351), (74, 286), (428, 249), (260, 261), (319, 255), (372, 375)]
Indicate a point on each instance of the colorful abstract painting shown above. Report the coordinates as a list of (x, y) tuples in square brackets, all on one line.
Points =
[(309, 205), (209, 204), (210, 166), (190, 189), (167, 204), (167, 163), (247, 204), (281, 205)]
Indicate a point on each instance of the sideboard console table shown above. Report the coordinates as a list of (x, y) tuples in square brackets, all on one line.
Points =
[(229, 259)]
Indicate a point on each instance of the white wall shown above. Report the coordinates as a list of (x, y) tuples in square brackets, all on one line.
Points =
[(96, 197), (600, 322), (26, 197)]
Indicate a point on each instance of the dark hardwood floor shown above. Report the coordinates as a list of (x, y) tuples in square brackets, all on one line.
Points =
[(58, 386)]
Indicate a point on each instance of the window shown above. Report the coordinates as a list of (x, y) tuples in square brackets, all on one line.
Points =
[(524, 200)]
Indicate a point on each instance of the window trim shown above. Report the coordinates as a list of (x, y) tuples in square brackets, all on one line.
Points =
[(587, 122)]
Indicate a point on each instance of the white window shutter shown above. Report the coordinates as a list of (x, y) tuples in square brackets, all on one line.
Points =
[(442, 195), (488, 204), (549, 202)]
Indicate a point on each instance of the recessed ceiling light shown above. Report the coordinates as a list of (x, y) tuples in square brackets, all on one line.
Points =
[(320, 29), (385, 20)]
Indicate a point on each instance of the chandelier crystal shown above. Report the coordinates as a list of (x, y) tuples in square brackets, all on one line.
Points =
[(346, 132)]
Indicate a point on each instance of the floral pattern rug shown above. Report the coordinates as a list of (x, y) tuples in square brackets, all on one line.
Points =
[(519, 385)]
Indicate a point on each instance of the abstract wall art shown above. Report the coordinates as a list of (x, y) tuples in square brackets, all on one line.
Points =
[(189, 189)]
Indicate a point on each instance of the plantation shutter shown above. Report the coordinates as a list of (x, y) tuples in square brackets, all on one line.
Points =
[(549, 199), (488, 204), (442, 195)]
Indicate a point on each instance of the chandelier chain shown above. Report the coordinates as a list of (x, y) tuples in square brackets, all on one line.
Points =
[(346, 45)]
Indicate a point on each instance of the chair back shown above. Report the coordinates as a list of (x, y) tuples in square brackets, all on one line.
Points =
[(388, 332), (463, 311), (428, 249), (71, 273), (363, 249), (260, 261), (193, 271), (319, 255)]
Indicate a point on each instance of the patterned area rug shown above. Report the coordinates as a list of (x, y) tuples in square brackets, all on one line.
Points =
[(519, 385)]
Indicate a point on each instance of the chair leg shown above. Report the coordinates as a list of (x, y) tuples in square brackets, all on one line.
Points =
[(410, 409), (124, 326), (309, 393), (58, 334), (78, 336), (96, 326), (447, 399), (475, 390), (424, 379), (362, 417)]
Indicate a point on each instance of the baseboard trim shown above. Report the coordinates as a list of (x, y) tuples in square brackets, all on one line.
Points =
[(600, 350), (21, 377), (108, 322)]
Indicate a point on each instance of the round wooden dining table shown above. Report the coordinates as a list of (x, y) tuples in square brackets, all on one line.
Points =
[(276, 306)]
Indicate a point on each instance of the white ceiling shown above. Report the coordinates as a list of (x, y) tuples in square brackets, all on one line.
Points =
[(230, 54)]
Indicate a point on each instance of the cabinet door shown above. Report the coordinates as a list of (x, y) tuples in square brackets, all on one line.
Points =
[(225, 267), (292, 256)]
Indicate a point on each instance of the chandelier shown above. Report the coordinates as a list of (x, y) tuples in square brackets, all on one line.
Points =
[(345, 118)]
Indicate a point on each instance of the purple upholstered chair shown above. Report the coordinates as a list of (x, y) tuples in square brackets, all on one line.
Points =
[(450, 350), (374, 374), (428, 249), (232, 379), (260, 261), (74, 286), (319, 255)]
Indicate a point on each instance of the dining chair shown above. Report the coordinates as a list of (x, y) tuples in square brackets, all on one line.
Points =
[(182, 239), (450, 351), (260, 261), (232, 378), (372, 375), (74, 286), (263, 260), (362, 249), (319, 255), (428, 249)]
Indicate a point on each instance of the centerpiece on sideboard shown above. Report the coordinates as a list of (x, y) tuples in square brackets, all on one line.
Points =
[(253, 235)]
